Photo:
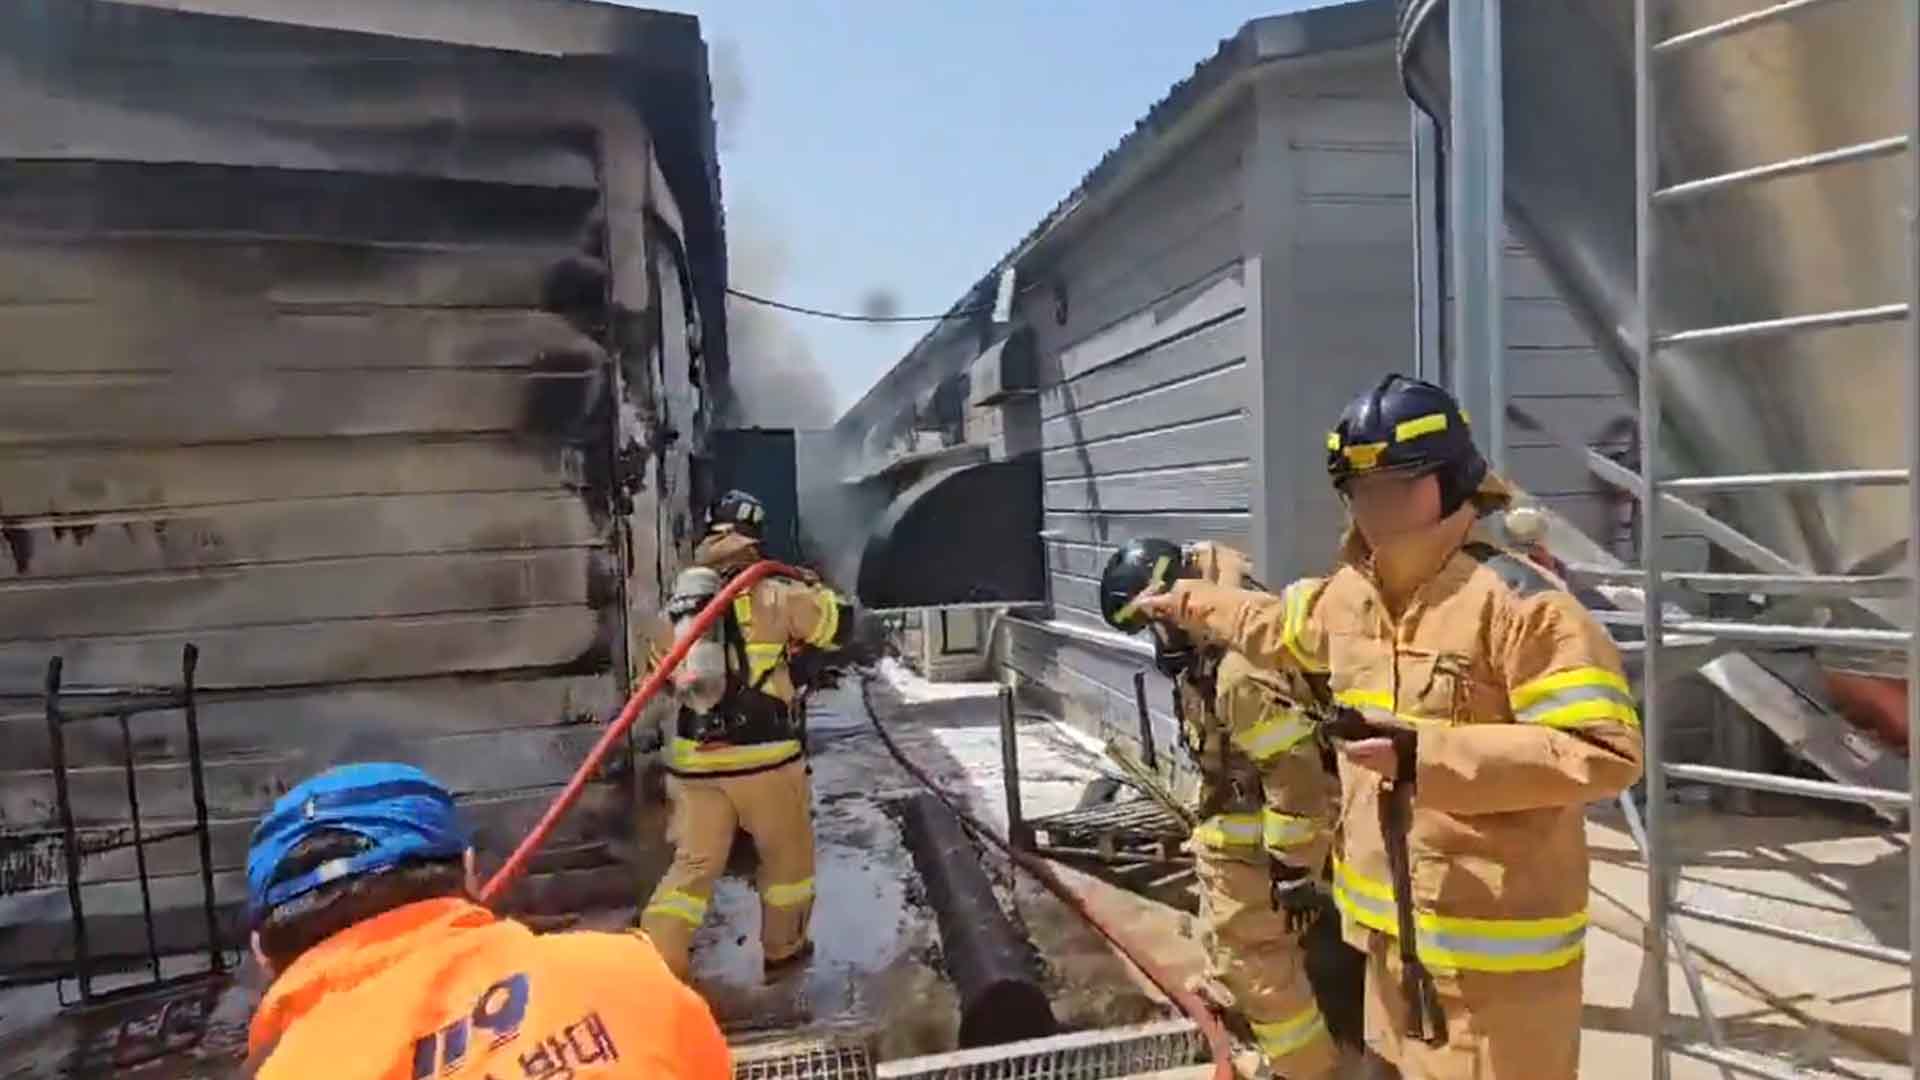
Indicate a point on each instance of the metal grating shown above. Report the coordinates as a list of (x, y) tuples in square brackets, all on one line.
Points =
[(1080, 1055), (812, 1059), (1141, 817)]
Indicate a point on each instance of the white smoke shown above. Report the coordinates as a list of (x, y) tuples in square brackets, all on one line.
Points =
[(776, 380)]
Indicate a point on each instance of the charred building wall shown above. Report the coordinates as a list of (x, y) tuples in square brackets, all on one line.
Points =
[(371, 365)]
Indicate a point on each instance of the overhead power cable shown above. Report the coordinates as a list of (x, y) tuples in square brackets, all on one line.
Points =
[(846, 316)]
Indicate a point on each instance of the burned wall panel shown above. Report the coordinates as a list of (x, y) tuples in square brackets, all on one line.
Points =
[(312, 353)]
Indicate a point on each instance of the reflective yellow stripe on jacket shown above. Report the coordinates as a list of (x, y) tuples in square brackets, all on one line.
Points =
[(762, 656), (1576, 698), (1291, 1035), (1282, 831), (1497, 945), (1377, 706), (829, 625), (1298, 598), (1227, 831), (1278, 732), (687, 756)]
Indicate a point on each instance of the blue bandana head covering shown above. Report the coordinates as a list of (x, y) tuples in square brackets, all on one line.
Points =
[(403, 814)]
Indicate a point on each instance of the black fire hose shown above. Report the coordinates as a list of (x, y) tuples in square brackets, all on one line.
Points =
[(1219, 1047), (992, 965), (1426, 1021)]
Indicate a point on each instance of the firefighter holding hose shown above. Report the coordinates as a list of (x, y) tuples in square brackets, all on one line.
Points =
[(736, 757), (1488, 707), (1260, 848)]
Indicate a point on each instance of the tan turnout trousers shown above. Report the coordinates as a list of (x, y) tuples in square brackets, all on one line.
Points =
[(1261, 963), (1522, 1025), (775, 807)]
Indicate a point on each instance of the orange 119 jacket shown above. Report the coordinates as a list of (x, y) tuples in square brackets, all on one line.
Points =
[(443, 988), (1522, 715)]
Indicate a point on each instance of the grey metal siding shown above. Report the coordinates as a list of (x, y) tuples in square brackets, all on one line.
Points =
[(1087, 684), (1557, 375), (1337, 259), (1142, 415), (1142, 411), (1354, 273)]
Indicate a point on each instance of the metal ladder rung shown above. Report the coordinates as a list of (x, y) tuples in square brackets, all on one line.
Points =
[(1789, 785), (1787, 933), (1736, 25), (1668, 644), (1865, 151), (1832, 585), (1780, 634), (1664, 911), (1830, 477), (1825, 320), (1746, 1063)]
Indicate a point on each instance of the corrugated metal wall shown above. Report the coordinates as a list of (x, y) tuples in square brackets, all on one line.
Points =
[(1145, 418), (1356, 178), (1143, 411), (1337, 270), (1557, 374)]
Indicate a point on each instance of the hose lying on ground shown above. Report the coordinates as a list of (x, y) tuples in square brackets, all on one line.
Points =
[(1042, 871)]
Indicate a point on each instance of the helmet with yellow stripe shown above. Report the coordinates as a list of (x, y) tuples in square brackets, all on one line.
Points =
[(1141, 567), (1407, 426), (1147, 567)]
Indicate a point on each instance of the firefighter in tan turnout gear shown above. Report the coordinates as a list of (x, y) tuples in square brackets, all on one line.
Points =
[(1497, 708), (737, 759), (1260, 848)]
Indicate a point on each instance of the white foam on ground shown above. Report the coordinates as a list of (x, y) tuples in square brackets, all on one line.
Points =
[(915, 689)]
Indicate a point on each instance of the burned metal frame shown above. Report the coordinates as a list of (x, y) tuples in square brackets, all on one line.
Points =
[(1135, 833), (64, 707)]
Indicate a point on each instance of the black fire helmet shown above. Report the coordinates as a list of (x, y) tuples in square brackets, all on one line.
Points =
[(1409, 427), (1138, 567), (1149, 566), (740, 511)]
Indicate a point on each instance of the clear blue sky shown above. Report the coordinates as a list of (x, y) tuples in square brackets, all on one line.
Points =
[(906, 146)]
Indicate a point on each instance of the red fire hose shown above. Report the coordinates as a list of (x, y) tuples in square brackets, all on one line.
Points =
[(516, 863)]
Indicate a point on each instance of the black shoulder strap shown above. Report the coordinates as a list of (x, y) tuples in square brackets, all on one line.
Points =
[(1524, 578), (1205, 674), (736, 644)]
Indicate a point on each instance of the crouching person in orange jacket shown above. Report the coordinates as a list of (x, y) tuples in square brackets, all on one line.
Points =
[(359, 886), (1437, 623)]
